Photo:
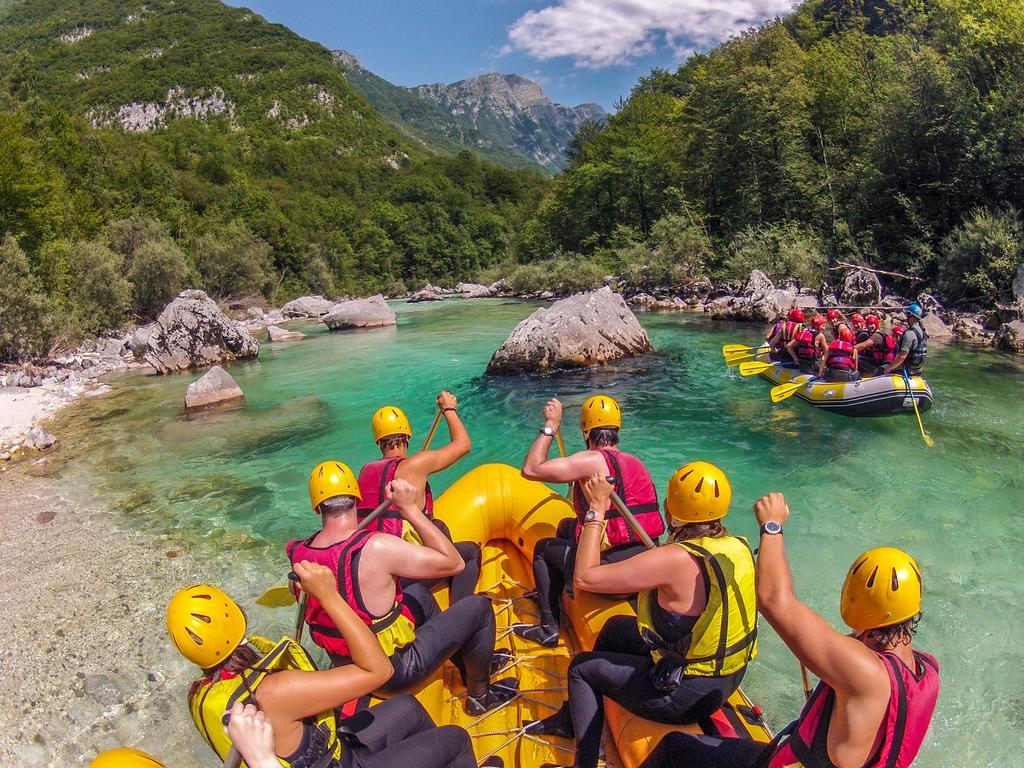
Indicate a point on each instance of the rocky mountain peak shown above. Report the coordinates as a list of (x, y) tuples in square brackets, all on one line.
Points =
[(346, 60)]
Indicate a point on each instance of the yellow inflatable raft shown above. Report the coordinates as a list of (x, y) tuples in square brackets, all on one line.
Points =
[(494, 506)]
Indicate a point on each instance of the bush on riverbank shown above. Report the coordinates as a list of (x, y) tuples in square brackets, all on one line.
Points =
[(980, 258)]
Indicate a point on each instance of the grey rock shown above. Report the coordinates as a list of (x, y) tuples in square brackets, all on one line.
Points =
[(38, 439), (1007, 313), (586, 329), (140, 339), (1018, 283), (861, 289), (373, 312), (474, 290), (770, 306), (500, 287), (5, 456), (935, 328), (966, 327), (103, 689), (929, 302), (282, 334), (1010, 337), (307, 306), (426, 293), (757, 284), (192, 332), (216, 387)]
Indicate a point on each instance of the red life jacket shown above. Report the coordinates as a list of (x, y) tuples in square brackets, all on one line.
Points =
[(806, 349), (840, 355), (636, 489), (373, 479), (789, 331), (884, 348), (912, 698), (343, 560)]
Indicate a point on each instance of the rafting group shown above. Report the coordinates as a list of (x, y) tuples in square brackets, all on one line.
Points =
[(366, 582)]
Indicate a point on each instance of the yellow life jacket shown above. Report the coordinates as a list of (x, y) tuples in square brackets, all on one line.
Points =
[(212, 700), (724, 639)]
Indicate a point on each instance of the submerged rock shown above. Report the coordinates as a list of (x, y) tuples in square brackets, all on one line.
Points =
[(192, 331), (307, 306), (276, 333), (38, 439), (215, 388), (360, 313), (426, 293), (586, 329)]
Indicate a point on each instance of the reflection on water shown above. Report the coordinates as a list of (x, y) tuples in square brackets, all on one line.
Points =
[(234, 484)]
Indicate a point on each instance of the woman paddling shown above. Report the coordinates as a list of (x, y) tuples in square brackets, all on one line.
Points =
[(696, 628), (300, 703)]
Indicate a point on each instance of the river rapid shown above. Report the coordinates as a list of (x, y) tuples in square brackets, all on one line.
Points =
[(232, 486)]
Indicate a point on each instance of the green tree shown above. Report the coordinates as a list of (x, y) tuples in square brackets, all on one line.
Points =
[(232, 261), (981, 257), (100, 294), (158, 272), (25, 322)]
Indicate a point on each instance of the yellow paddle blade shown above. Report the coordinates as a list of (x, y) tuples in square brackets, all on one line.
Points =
[(754, 367), (737, 357), (736, 348), (276, 597), (782, 391)]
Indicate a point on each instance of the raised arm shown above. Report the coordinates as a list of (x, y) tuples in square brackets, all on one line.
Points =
[(844, 663), (436, 559), (537, 465), (290, 696), (418, 467)]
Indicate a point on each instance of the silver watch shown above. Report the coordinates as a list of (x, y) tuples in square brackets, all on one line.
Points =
[(772, 528), (546, 430)]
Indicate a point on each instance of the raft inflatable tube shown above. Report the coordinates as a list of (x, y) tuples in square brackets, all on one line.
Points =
[(872, 396), (496, 507)]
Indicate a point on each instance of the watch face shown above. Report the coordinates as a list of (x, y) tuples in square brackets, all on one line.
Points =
[(772, 527), (590, 515)]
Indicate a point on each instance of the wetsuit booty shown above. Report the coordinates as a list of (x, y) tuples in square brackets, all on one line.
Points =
[(500, 692), (558, 724), (538, 633), (500, 660)]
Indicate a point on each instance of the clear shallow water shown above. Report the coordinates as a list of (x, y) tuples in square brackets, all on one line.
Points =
[(234, 485)]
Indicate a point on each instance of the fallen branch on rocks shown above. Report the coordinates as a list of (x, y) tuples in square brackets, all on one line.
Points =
[(848, 265)]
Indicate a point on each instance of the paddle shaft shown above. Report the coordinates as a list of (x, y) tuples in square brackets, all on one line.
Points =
[(630, 520), (913, 400), (806, 681), (234, 759), (561, 450), (433, 429)]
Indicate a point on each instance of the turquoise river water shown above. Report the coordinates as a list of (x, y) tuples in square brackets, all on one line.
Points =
[(234, 484)]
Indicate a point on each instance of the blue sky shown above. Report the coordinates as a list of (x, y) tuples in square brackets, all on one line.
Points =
[(579, 50)]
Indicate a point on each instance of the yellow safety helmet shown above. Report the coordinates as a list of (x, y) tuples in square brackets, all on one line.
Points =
[(123, 757), (698, 493), (205, 624), (882, 588), (329, 479), (600, 411), (390, 420)]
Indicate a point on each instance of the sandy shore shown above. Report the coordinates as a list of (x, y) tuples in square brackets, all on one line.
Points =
[(23, 408), (86, 663)]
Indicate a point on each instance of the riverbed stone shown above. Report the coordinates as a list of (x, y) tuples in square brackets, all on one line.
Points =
[(192, 332), (935, 328), (277, 333), (861, 289), (38, 439), (582, 330), (216, 388), (372, 312), (1010, 337), (307, 306)]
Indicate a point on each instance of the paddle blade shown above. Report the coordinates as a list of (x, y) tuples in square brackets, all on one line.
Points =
[(928, 440), (276, 597), (736, 348), (782, 391), (737, 357), (753, 368)]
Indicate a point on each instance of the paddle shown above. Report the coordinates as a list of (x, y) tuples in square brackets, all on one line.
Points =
[(433, 429), (754, 367), (924, 435), (628, 516), (561, 450), (738, 357), (736, 348), (282, 597), (782, 391)]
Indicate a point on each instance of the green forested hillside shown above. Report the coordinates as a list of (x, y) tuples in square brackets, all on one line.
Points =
[(259, 170), (886, 132)]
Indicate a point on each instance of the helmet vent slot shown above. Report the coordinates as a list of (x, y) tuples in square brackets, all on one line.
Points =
[(683, 477), (195, 638), (700, 484), (895, 580), (716, 490), (201, 617), (871, 578), (202, 597)]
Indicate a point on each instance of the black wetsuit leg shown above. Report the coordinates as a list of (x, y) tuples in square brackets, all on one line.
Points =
[(463, 584), (684, 750), (464, 633), (552, 559), (621, 670), (399, 732)]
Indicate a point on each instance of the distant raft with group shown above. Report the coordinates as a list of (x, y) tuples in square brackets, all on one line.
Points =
[(872, 396)]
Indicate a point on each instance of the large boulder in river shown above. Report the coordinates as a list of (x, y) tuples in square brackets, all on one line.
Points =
[(426, 293), (935, 328), (861, 289), (474, 290), (277, 333), (586, 329), (1010, 337), (192, 331), (307, 306), (140, 339), (360, 313), (216, 388)]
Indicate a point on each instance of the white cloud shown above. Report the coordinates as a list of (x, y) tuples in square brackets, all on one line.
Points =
[(605, 33)]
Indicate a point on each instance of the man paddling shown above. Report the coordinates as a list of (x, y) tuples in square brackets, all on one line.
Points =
[(877, 350), (600, 421), (392, 432), (913, 345), (877, 693)]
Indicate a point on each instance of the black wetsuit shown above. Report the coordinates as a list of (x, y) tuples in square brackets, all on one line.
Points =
[(463, 584), (621, 668), (554, 561), (396, 732), (685, 750)]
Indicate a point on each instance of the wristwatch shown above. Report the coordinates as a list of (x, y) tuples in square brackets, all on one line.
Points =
[(546, 430), (590, 517), (772, 528)]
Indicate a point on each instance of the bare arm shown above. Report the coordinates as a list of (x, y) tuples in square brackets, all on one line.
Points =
[(288, 697), (436, 559), (791, 348), (775, 338), (537, 465), (868, 343), (844, 663), (897, 362), (418, 467)]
